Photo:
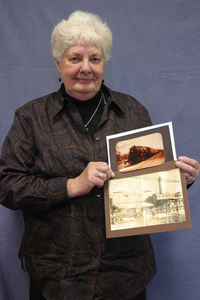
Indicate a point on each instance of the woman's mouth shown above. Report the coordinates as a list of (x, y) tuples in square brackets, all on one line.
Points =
[(84, 80)]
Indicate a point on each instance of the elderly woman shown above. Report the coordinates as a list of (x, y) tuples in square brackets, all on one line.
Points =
[(54, 165)]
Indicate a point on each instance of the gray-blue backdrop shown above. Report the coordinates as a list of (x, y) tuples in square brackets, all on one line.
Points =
[(156, 59)]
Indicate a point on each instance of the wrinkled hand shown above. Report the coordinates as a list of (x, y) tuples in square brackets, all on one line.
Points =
[(95, 174), (190, 167)]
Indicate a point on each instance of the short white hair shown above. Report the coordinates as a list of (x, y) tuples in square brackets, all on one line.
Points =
[(81, 26)]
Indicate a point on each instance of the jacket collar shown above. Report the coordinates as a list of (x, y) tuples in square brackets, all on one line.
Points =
[(112, 97)]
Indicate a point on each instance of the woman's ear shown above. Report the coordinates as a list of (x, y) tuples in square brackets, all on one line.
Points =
[(58, 67)]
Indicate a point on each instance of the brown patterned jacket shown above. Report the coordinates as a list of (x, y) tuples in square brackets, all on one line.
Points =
[(64, 243)]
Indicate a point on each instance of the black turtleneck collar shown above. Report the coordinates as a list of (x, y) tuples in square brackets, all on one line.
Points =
[(87, 108), (79, 103)]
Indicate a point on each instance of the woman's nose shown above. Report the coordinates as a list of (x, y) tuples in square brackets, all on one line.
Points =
[(85, 66)]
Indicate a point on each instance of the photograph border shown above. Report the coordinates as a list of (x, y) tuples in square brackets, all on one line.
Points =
[(165, 129), (152, 228)]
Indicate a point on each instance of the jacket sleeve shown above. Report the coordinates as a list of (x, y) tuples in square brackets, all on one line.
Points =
[(20, 187)]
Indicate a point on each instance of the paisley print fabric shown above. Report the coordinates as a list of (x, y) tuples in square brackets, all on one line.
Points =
[(64, 244)]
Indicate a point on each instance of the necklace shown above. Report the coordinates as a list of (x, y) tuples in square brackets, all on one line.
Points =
[(94, 113)]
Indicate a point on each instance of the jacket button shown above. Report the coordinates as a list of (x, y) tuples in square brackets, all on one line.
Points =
[(97, 138)]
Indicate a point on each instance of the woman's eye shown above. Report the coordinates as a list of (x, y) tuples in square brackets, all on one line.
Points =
[(74, 59), (96, 59)]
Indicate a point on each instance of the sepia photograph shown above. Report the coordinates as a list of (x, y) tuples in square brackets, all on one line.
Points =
[(139, 153), (151, 202)]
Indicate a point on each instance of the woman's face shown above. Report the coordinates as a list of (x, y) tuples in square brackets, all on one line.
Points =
[(82, 68)]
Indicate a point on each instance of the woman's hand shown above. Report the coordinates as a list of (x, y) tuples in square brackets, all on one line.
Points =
[(95, 174), (190, 167)]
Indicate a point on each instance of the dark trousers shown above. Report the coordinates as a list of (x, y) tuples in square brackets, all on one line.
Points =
[(35, 294), (141, 296)]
